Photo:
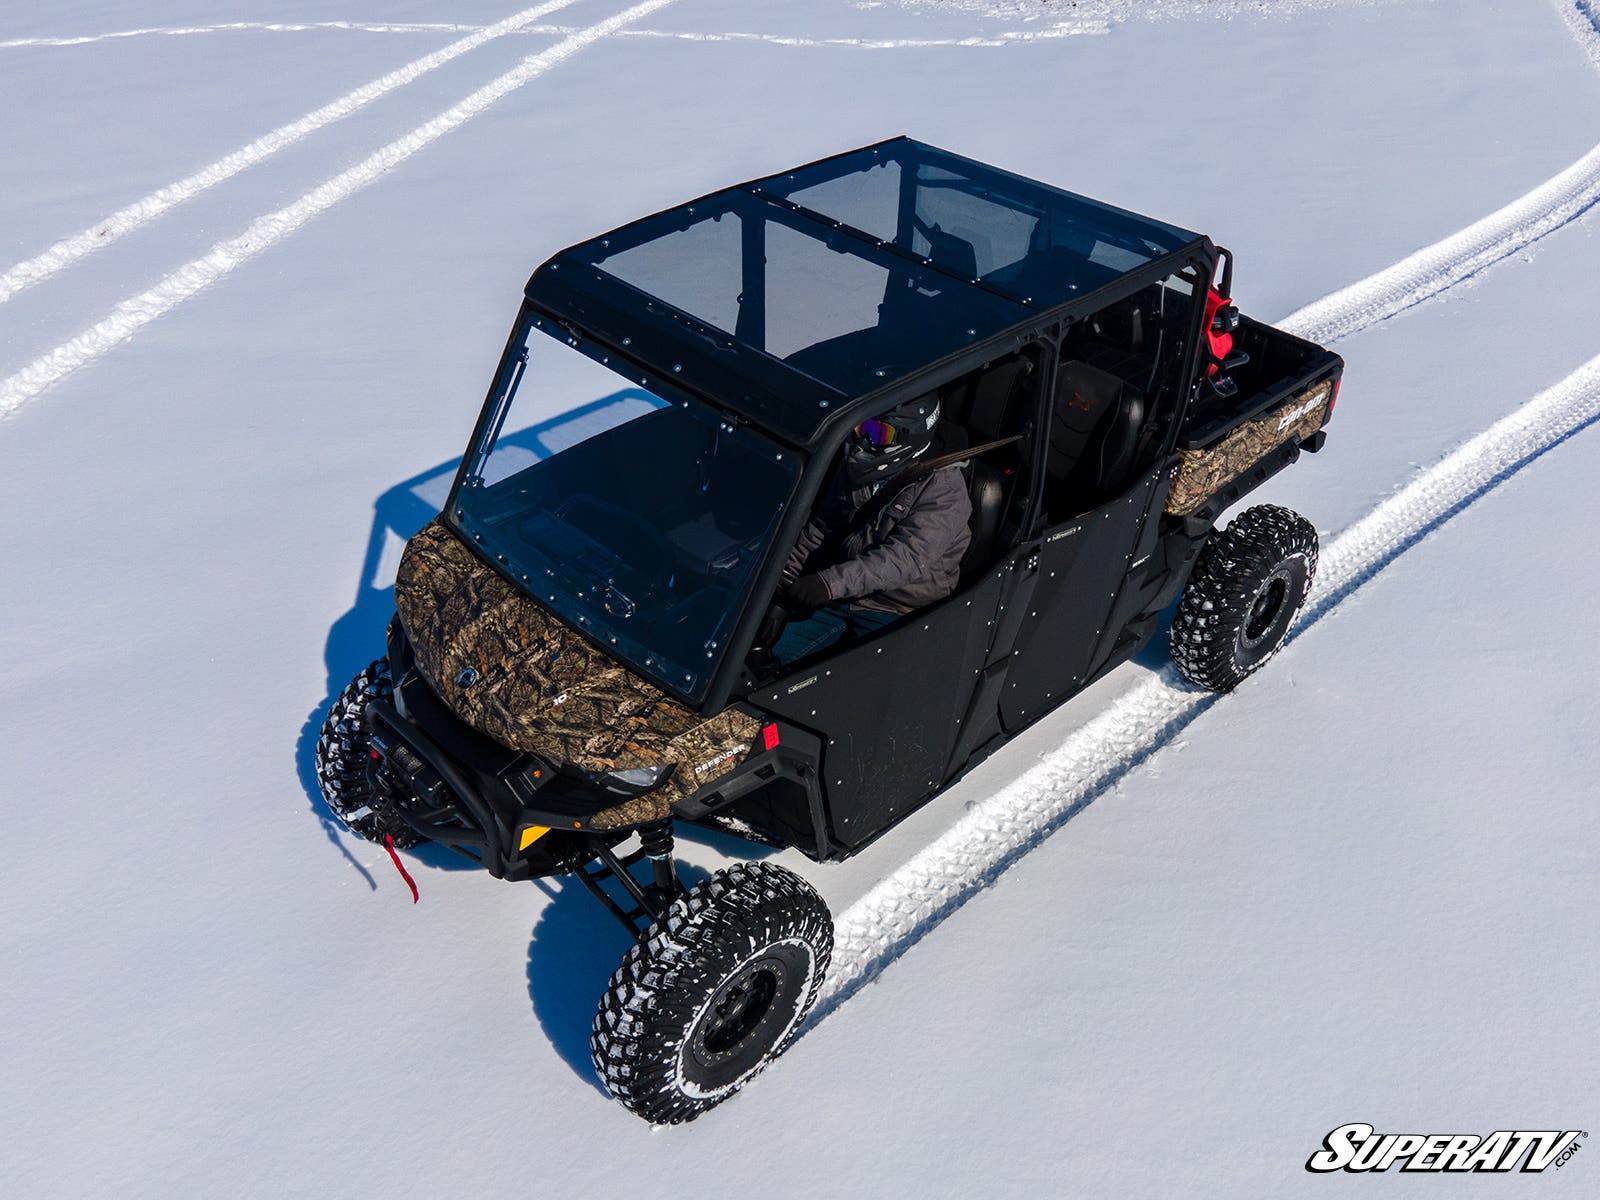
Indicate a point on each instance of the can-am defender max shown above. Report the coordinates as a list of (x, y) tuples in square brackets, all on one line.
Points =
[(583, 650)]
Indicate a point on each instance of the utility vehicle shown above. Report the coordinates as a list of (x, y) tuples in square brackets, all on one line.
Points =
[(583, 651)]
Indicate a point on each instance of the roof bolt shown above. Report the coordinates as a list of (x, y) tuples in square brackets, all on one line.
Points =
[(676, 367), (627, 341), (822, 404)]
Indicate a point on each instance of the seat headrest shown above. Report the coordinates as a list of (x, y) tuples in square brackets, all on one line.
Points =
[(1120, 326)]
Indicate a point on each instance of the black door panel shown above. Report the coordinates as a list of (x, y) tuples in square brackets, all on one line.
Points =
[(1081, 566), (889, 708)]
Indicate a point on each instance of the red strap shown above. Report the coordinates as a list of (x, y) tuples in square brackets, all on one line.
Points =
[(1220, 344), (388, 844)]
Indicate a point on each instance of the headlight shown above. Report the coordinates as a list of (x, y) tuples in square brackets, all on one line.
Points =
[(636, 779)]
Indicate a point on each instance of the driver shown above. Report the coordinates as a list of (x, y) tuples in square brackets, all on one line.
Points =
[(886, 539)]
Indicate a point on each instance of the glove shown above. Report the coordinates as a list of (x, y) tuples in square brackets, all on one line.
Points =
[(809, 592)]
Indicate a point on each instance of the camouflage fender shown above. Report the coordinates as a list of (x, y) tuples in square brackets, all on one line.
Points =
[(1205, 472), (535, 684)]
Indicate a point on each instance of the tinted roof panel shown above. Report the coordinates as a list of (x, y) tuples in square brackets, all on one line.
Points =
[(1032, 242), (786, 297), (827, 302)]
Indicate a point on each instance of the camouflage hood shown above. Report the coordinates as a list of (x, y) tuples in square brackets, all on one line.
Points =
[(517, 674)]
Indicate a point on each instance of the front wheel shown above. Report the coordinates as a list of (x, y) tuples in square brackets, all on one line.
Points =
[(1247, 588), (713, 992), (344, 763)]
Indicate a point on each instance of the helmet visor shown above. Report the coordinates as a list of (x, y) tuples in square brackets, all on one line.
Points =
[(876, 433)]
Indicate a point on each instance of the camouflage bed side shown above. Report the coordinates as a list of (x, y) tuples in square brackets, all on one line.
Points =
[(1205, 472), (515, 673)]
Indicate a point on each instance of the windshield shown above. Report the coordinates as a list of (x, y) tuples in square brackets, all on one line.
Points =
[(635, 513)]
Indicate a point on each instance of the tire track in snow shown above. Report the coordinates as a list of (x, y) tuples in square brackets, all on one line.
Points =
[(125, 220), (1416, 278), (1446, 263), (1062, 29), (138, 311), (1583, 18), (995, 832), (245, 27), (1015, 37)]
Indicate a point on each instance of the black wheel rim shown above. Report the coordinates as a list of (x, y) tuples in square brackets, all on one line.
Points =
[(748, 1015), (740, 1006), (1265, 610)]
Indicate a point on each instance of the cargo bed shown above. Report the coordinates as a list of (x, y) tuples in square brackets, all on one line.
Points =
[(1231, 444)]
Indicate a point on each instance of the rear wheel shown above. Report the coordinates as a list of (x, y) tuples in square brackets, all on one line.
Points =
[(1247, 588), (344, 762), (713, 992)]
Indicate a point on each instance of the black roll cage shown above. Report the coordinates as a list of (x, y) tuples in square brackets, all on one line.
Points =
[(564, 302)]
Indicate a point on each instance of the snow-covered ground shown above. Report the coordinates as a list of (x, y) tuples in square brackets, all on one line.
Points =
[(1359, 889)]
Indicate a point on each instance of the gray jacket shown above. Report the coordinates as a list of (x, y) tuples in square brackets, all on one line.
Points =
[(906, 552)]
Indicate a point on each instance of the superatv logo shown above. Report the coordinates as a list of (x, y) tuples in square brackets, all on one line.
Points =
[(1357, 1147)]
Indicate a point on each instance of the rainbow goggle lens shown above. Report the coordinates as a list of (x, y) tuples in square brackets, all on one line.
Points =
[(877, 433)]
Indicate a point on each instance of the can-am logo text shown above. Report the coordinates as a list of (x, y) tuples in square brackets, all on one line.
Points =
[(1358, 1147), (1289, 418)]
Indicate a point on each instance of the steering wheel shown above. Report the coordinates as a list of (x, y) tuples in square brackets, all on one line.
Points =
[(612, 526)]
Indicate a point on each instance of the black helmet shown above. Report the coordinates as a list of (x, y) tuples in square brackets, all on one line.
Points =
[(881, 447)]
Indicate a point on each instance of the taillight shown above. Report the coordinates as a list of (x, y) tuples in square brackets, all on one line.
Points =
[(769, 737), (1334, 399)]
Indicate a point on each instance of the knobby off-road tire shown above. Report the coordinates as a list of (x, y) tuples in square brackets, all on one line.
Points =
[(1247, 588), (713, 992), (344, 751)]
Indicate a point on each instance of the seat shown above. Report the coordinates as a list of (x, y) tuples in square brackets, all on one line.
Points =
[(1094, 437), (987, 486), (1120, 326), (997, 396)]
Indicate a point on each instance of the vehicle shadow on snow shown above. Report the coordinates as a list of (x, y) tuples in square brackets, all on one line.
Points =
[(357, 637), (1157, 652), (574, 950)]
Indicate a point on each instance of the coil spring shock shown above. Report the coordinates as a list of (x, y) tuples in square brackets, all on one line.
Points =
[(655, 839)]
